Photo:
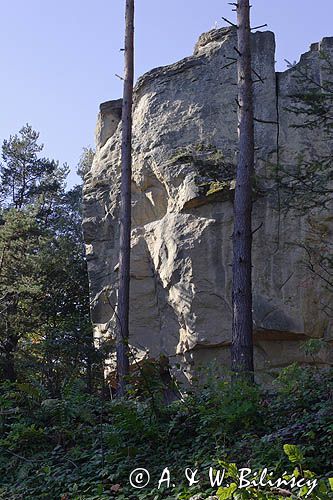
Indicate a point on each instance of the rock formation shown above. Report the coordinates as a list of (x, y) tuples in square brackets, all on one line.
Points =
[(184, 156)]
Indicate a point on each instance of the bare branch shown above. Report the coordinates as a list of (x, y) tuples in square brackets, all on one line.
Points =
[(258, 27), (257, 74), (236, 49), (229, 64), (229, 22), (257, 228), (259, 120)]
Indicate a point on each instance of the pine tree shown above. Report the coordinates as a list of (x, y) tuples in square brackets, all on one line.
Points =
[(25, 177), (242, 325), (45, 327), (125, 205)]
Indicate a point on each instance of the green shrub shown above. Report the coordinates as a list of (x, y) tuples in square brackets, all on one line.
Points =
[(80, 446)]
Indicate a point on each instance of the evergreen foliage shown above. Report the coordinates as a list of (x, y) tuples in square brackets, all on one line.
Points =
[(306, 183), (62, 437), (45, 331)]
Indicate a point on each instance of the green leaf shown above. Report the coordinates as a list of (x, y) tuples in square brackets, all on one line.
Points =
[(100, 489), (330, 480), (293, 453), (224, 493)]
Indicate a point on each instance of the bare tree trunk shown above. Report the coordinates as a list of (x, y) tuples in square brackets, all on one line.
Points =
[(242, 326), (125, 205), (9, 349), (9, 372), (90, 358)]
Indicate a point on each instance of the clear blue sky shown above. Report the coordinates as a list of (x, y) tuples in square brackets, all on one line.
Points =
[(59, 57)]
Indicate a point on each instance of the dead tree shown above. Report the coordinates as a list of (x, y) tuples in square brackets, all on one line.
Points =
[(242, 325), (122, 348)]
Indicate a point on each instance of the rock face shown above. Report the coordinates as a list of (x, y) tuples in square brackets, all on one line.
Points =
[(184, 156)]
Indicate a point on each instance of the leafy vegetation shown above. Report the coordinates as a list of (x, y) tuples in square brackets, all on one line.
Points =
[(305, 182), (63, 437), (82, 446), (45, 330)]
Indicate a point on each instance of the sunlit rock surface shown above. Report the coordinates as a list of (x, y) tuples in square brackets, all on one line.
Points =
[(184, 156)]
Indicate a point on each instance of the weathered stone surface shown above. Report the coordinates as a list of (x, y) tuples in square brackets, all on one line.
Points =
[(184, 155)]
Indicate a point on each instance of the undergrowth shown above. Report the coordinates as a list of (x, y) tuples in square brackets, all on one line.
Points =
[(84, 447)]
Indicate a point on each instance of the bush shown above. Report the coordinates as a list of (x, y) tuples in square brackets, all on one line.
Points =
[(80, 446)]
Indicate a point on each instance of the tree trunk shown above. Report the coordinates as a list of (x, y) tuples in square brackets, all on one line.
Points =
[(8, 357), (90, 361), (9, 372), (242, 326), (125, 205)]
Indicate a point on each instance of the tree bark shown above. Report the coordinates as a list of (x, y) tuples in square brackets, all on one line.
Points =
[(8, 357), (125, 205), (9, 372), (242, 326)]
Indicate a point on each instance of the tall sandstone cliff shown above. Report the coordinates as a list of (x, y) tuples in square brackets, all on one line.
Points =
[(184, 156)]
